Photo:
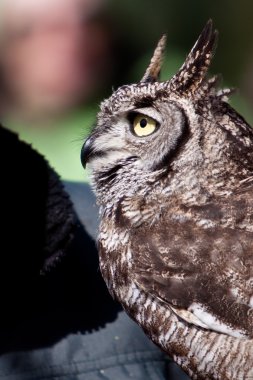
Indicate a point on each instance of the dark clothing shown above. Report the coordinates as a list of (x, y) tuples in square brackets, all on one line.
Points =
[(57, 319)]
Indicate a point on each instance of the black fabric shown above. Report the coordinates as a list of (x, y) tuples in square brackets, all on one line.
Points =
[(36, 213), (34, 229)]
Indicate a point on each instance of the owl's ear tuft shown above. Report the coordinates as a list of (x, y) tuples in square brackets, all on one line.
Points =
[(153, 71), (191, 74)]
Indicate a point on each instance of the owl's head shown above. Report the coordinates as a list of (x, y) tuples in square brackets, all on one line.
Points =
[(148, 124)]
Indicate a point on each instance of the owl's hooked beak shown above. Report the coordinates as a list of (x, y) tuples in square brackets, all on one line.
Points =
[(86, 151)]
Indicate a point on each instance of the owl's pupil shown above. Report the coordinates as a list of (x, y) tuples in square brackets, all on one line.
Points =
[(143, 123)]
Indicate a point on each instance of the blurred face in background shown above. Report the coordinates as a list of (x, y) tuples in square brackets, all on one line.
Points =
[(54, 52)]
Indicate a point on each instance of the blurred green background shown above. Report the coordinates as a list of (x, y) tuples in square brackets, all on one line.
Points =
[(135, 27)]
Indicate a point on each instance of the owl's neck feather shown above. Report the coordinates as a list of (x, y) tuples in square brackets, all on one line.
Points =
[(127, 180)]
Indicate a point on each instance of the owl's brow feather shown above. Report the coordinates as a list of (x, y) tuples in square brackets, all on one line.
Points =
[(146, 101)]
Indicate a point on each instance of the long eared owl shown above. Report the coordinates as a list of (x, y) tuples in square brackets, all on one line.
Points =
[(172, 168)]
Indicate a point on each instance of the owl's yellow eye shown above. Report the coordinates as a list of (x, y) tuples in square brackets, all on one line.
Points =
[(143, 125)]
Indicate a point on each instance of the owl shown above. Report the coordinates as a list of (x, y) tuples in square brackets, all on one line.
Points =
[(172, 168)]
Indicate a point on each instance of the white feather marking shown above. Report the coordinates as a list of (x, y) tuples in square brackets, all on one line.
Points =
[(129, 255), (133, 293), (251, 302), (153, 306), (212, 322), (147, 303), (234, 292), (205, 223), (188, 317)]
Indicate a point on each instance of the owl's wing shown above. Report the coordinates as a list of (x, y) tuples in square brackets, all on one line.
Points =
[(205, 274)]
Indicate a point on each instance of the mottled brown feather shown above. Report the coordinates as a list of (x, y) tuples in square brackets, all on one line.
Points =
[(176, 232)]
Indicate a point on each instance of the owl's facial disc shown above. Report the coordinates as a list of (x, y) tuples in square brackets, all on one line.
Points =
[(114, 140), (151, 135)]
